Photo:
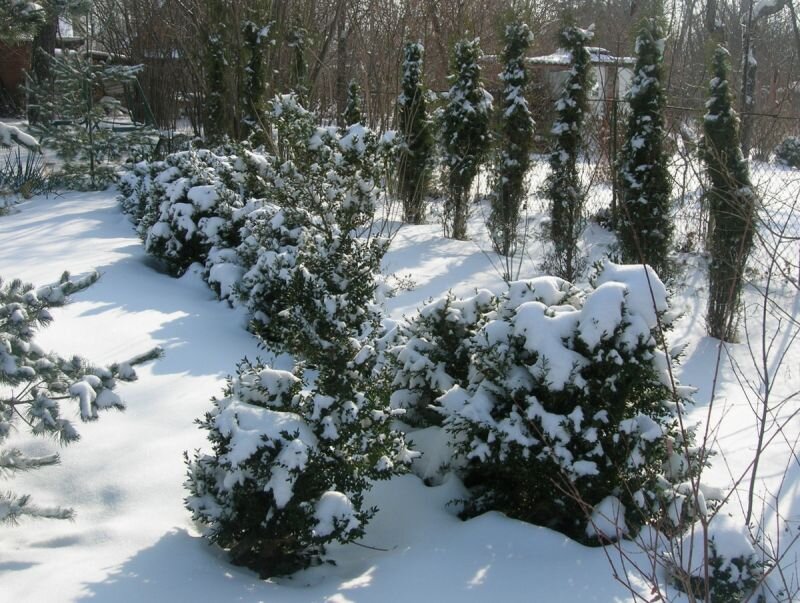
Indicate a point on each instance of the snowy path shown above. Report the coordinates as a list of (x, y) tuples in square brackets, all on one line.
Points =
[(132, 539)]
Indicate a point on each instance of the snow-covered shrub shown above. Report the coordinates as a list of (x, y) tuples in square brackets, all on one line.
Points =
[(197, 217), (735, 570), (224, 266), (34, 384), (268, 256), (312, 261), (788, 152), (430, 354), (289, 468), (564, 399), (184, 205), (288, 237), (139, 195)]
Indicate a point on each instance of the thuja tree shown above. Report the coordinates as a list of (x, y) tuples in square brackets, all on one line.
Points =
[(417, 137), (217, 123), (298, 40), (563, 186), (352, 109), (732, 202), (517, 138), (35, 385), (465, 133), (644, 227), (254, 87)]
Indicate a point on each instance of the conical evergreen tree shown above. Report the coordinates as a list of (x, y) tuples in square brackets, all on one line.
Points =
[(415, 127), (517, 139), (732, 203), (563, 184), (352, 109), (217, 109), (465, 132), (298, 40), (644, 227), (254, 87)]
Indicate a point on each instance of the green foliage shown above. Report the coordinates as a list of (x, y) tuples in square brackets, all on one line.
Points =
[(644, 226), (76, 118), (415, 158), (732, 203), (34, 384), (430, 354), (516, 142), (788, 152), (557, 402), (25, 174), (563, 186), (465, 133), (254, 89), (735, 570), (218, 117), (352, 110), (289, 468), (293, 453), (187, 208), (729, 580), (19, 19), (312, 281), (297, 41)]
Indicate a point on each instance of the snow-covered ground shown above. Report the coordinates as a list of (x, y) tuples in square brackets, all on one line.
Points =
[(132, 539)]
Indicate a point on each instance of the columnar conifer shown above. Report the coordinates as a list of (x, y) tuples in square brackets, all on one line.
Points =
[(644, 227), (465, 132), (732, 202), (517, 138), (563, 184), (415, 128)]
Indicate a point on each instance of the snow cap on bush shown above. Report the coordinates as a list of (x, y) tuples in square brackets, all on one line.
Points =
[(554, 399), (289, 467)]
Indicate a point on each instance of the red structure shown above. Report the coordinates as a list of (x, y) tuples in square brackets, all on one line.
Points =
[(14, 62)]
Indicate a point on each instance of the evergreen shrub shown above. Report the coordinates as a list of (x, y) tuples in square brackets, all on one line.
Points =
[(558, 402), (788, 152), (289, 468)]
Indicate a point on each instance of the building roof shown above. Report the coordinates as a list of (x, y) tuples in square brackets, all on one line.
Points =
[(599, 56)]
